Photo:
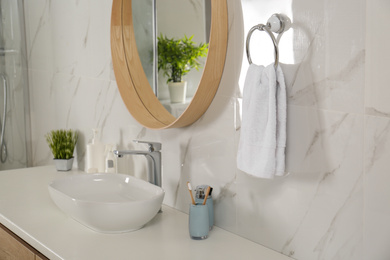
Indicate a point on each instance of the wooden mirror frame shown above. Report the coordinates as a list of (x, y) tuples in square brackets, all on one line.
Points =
[(135, 90)]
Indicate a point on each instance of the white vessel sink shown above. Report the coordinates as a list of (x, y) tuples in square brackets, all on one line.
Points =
[(107, 202)]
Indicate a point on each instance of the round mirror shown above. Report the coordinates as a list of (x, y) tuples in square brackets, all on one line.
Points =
[(133, 84)]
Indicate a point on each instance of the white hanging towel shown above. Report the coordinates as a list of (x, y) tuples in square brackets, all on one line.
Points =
[(261, 150)]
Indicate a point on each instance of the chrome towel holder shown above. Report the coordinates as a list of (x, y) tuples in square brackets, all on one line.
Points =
[(277, 23)]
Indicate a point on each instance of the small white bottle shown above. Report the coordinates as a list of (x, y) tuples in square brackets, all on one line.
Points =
[(110, 161), (95, 154)]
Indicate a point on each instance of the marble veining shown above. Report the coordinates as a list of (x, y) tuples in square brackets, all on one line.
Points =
[(41, 23), (290, 240), (376, 187), (325, 242), (376, 112), (378, 146), (304, 91)]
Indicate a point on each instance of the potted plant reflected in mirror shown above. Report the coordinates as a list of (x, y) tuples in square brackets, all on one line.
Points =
[(62, 144), (176, 58)]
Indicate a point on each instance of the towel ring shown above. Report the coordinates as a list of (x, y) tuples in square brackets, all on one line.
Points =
[(262, 27), (277, 23)]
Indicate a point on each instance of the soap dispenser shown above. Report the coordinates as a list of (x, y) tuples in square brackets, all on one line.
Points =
[(110, 161), (199, 197), (95, 154)]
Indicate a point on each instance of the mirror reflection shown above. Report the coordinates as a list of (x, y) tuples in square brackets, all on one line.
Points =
[(144, 30), (172, 41)]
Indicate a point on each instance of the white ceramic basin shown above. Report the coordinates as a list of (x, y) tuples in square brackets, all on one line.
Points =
[(106, 202)]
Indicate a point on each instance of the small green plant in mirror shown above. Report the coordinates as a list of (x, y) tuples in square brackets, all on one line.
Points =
[(62, 143), (176, 57)]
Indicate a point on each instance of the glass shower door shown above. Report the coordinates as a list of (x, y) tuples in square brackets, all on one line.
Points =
[(14, 101)]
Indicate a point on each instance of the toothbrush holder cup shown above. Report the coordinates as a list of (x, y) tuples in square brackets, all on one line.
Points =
[(210, 207), (198, 221)]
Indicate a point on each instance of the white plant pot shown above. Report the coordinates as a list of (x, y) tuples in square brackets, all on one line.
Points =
[(64, 164), (178, 91)]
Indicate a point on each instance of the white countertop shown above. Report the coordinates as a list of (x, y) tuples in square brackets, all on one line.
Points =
[(27, 210)]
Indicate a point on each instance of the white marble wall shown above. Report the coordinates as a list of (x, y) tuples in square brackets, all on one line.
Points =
[(377, 132), (334, 203)]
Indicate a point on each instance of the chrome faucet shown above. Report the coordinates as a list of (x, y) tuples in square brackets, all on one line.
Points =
[(153, 157)]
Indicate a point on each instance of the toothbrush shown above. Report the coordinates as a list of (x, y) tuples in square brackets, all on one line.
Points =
[(190, 190), (207, 194)]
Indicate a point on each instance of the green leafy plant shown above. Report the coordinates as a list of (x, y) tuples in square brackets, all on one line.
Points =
[(177, 57), (62, 143)]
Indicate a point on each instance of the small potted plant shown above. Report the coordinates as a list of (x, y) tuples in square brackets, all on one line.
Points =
[(62, 144), (176, 58)]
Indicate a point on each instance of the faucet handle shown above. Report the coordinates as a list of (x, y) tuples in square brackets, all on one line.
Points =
[(153, 146)]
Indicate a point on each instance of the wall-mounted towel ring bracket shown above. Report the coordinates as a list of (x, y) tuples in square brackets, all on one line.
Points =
[(277, 23)]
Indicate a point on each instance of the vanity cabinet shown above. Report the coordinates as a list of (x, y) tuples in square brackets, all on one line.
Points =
[(14, 248)]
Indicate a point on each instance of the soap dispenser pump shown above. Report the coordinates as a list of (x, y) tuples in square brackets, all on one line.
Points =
[(95, 154), (110, 161)]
